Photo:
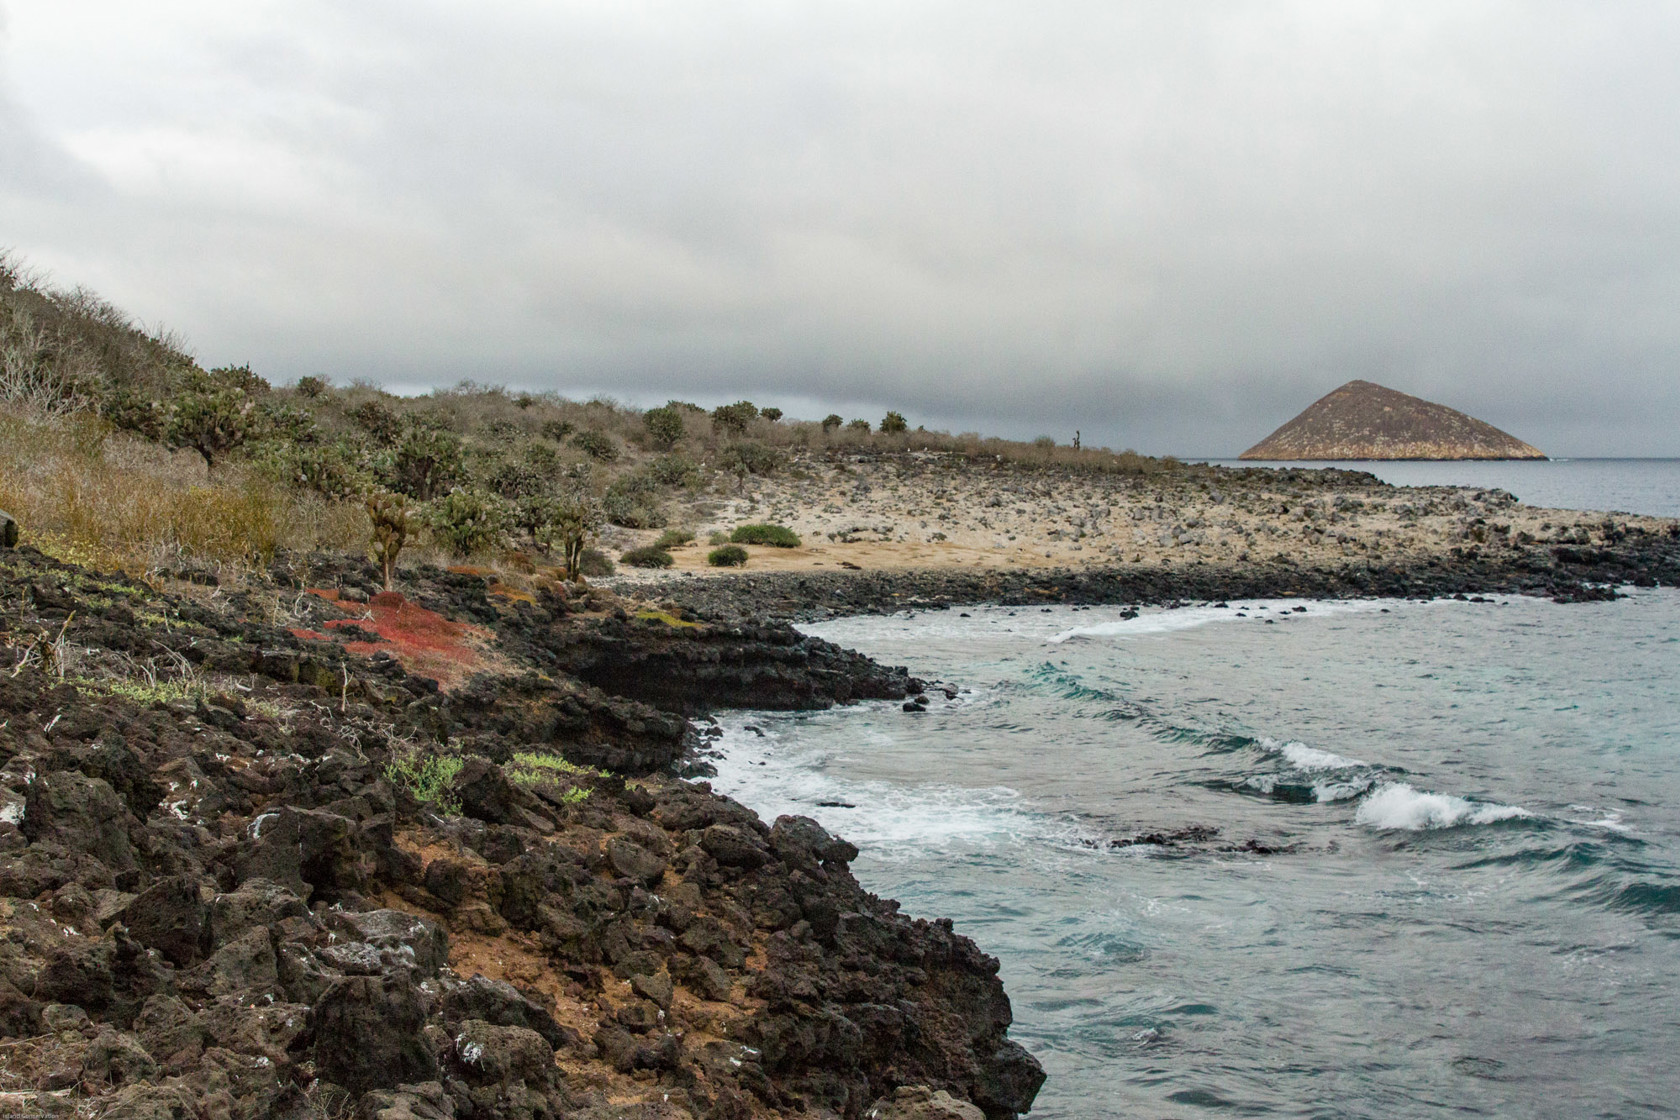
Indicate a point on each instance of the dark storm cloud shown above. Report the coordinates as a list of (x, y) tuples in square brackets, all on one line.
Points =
[(1169, 226)]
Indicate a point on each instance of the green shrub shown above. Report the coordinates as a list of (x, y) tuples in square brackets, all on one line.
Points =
[(427, 463), (771, 414), (672, 538), (777, 536), (894, 423), (528, 769), (832, 421), (310, 387), (859, 425), (664, 425), (594, 562), (750, 457), (732, 419), (377, 421), (729, 556), (717, 536), (631, 512), (556, 430), (468, 521), (648, 556), (212, 414), (597, 445), (673, 470), (428, 778)]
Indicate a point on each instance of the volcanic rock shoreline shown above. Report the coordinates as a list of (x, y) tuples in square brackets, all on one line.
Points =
[(235, 880), (1624, 555)]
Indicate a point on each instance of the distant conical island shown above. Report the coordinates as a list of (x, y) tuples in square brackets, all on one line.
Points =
[(1363, 420)]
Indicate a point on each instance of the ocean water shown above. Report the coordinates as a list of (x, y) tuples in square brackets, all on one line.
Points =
[(1648, 486), (1472, 902)]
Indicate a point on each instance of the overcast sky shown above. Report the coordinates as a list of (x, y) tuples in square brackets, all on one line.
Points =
[(1169, 225)]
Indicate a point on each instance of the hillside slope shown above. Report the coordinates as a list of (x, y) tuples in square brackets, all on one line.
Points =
[(1364, 420)]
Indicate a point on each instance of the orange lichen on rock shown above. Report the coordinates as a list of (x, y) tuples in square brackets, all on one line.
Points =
[(512, 593), (426, 643)]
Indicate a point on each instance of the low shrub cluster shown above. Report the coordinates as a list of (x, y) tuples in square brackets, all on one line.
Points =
[(729, 556), (648, 556), (776, 536)]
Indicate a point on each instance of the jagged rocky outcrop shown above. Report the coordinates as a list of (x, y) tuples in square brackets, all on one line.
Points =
[(1364, 420), (744, 664), (227, 888)]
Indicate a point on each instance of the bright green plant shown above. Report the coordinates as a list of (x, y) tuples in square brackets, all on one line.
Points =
[(777, 536), (894, 423), (729, 556), (428, 778)]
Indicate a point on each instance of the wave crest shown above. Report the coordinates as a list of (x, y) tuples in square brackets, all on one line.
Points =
[(1399, 806)]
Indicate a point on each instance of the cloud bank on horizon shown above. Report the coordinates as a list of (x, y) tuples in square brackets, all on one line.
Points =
[(1170, 226)]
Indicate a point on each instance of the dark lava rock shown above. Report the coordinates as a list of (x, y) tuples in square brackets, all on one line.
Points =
[(82, 814), (501, 1004), (368, 1033), (169, 916)]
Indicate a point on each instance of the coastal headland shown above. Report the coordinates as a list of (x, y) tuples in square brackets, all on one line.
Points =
[(343, 773), (305, 847)]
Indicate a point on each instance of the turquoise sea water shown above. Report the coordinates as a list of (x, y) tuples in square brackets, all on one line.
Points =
[(1474, 903)]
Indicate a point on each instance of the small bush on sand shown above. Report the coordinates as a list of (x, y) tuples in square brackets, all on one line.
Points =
[(777, 536), (648, 556), (594, 562), (674, 538), (729, 556)]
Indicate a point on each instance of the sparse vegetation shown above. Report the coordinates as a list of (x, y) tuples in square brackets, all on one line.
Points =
[(594, 562), (776, 536), (674, 538), (729, 556), (93, 407), (428, 777), (648, 556)]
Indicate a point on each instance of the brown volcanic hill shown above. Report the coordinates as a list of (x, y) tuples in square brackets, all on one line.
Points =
[(1363, 420)]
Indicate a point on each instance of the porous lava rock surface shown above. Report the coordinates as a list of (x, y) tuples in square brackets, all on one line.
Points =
[(220, 896)]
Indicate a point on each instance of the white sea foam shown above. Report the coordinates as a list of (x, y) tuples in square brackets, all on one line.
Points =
[(1303, 757), (890, 821), (1163, 621), (1399, 806)]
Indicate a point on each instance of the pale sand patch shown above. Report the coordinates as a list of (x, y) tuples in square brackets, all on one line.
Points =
[(928, 512)]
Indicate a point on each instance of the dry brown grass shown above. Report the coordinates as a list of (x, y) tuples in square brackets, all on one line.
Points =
[(88, 495)]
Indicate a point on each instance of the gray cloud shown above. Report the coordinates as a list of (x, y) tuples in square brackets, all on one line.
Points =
[(1169, 226)]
